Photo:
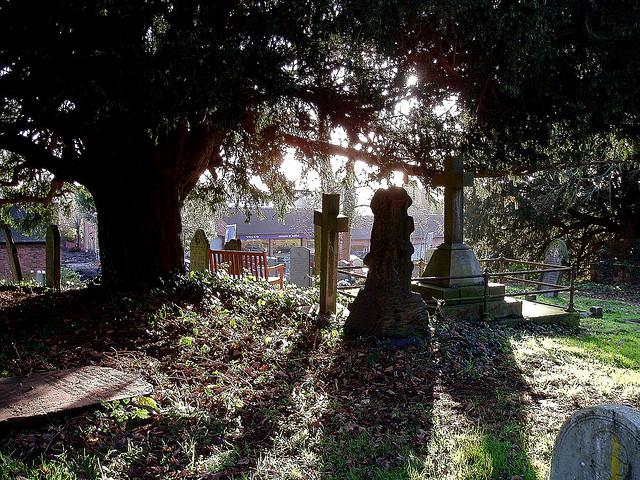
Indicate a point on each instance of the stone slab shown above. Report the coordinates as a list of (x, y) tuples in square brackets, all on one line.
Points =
[(430, 291), (53, 392), (505, 308), (598, 443), (547, 314)]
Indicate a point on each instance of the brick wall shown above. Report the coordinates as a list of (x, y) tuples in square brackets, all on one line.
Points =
[(32, 258)]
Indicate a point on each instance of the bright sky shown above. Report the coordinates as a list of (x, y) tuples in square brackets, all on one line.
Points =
[(292, 168)]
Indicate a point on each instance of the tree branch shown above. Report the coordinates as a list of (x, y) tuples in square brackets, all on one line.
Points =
[(36, 156), (54, 190)]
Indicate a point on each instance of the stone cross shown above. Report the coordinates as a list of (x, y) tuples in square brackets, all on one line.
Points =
[(199, 252), (453, 179), (330, 223), (52, 255)]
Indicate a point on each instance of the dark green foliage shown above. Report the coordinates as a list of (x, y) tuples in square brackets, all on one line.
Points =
[(146, 99), (589, 207)]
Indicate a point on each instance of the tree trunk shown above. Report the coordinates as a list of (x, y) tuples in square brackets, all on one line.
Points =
[(139, 229)]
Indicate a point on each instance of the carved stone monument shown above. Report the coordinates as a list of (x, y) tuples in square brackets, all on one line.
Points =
[(52, 392), (386, 306), (233, 244), (598, 443), (463, 296)]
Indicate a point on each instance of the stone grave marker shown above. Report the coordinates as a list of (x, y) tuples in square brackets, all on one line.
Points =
[(12, 254), (199, 252), (555, 254), (331, 223), (598, 443), (386, 306), (299, 271), (52, 257), (53, 392), (233, 244)]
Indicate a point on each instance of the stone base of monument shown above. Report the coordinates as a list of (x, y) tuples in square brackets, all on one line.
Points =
[(466, 303), (453, 260)]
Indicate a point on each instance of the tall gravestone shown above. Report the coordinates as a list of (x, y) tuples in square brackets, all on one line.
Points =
[(598, 443), (556, 253), (52, 255), (199, 252), (300, 264), (386, 306)]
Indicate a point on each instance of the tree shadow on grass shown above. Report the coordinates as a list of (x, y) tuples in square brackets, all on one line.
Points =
[(358, 408), (381, 400), (383, 420), (479, 372)]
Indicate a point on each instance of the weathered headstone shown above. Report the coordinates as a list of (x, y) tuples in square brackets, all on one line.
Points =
[(331, 223), (556, 253), (300, 264), (53, 392), (199, 252), (52, 255), (12, 254), (598, 443), (386, 306), (233, 244)]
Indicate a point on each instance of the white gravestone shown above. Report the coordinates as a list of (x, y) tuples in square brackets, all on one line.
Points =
[(299, 273), (598, 443)]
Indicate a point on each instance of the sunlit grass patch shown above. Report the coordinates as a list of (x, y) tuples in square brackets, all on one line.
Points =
[(482, 455)]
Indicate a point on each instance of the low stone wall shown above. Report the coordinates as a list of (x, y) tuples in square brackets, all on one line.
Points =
[(32, 259)]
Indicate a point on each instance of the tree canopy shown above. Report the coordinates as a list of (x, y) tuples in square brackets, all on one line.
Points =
[(141, 101)]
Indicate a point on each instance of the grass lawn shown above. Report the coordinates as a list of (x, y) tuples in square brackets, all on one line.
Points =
[(247, 385)]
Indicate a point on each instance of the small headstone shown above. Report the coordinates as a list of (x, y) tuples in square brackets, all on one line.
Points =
[(199, 252), (386, 306), (54, 392), (299, 273), (598, 443), (555, 254), (234, 244), (595, 311), (52, 255)]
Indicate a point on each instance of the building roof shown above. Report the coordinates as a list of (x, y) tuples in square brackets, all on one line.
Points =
[(424, 224), (19, 237), (298, 223)]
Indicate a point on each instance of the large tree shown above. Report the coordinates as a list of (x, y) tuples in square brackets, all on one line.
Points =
[(140, 100), (136, 100)]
